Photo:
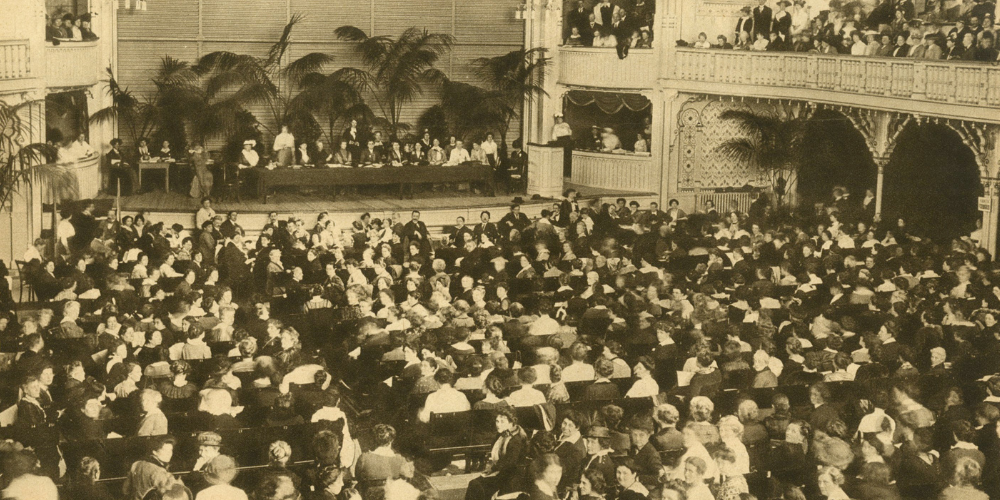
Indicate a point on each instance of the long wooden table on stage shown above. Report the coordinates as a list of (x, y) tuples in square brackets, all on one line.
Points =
[(401, 176)]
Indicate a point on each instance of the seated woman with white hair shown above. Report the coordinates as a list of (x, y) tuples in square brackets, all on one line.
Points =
[(216, 411), (701, 409), (731, 432)]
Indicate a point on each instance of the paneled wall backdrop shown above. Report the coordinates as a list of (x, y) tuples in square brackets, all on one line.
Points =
[(187, 29)]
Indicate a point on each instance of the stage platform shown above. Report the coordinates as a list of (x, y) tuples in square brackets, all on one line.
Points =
[(438, 208)]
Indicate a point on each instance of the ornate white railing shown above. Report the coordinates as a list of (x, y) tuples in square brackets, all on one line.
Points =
[(15, 60), (601, 67), (72, 64), (723, 199), (628, 171), (950, 82)]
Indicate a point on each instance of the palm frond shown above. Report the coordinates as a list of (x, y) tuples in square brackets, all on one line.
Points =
[(740, 150), (750, 123), (277, 51), (296, 70)]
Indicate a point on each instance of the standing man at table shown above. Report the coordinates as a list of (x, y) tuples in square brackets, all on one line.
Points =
[(562, 135), (353, 138), (284, 147), (118, 168)]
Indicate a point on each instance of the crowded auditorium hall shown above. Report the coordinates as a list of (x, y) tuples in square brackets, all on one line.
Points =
[(275, 250)]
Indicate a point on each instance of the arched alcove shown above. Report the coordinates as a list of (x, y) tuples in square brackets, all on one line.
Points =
[(932, 181), (835, 154)]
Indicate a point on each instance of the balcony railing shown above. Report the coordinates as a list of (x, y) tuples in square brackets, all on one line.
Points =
[(72, 64), (15, 60), (601, 67), (947, 82), (626, 171)]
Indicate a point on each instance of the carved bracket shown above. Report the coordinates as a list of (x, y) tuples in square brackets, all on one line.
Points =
[(979, 137), (864, 121)]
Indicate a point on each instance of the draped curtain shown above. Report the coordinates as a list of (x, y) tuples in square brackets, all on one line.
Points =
[(608, 102)]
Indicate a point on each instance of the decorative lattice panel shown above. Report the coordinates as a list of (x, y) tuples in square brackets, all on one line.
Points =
[(701, 132)]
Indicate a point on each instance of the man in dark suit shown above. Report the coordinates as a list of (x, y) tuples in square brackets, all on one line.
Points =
[(233, 267), (456, 233), (229, 227), (486, 227), (567, 207), (370, 155), (118, 169), (578, 18), (589, 29), (761, 19), (514, 220), (415, 231)]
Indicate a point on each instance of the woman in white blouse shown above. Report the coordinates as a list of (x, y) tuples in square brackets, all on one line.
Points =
[(644, 386), (858, 48), (249, 157), (284, 147)]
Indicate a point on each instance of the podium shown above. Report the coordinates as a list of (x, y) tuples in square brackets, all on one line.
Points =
[(545, 170)]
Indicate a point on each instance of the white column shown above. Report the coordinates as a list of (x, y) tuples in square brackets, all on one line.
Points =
[(881, 162)]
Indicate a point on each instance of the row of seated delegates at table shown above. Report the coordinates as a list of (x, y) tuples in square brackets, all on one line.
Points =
[(397, 152), (69, 28), (691, 354)]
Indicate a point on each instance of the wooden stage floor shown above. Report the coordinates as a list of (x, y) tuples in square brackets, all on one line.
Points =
[(366, 201)]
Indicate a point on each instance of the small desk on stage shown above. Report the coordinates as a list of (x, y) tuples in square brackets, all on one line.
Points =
[(401, 176), (156, 165)]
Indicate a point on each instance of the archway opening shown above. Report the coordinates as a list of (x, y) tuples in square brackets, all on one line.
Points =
[(835, 154), (932, 182)]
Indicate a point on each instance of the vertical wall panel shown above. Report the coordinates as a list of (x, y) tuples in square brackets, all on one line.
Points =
[(228, 20), (138, 62), (488, 22), (393, 16), (173, 19), (320, 21)]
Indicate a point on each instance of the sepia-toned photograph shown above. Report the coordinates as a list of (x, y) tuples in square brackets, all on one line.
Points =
[(506, 250)]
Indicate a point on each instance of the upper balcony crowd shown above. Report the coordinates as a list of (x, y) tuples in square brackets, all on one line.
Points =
[(893, 28), (623, 24), (69, 28)]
